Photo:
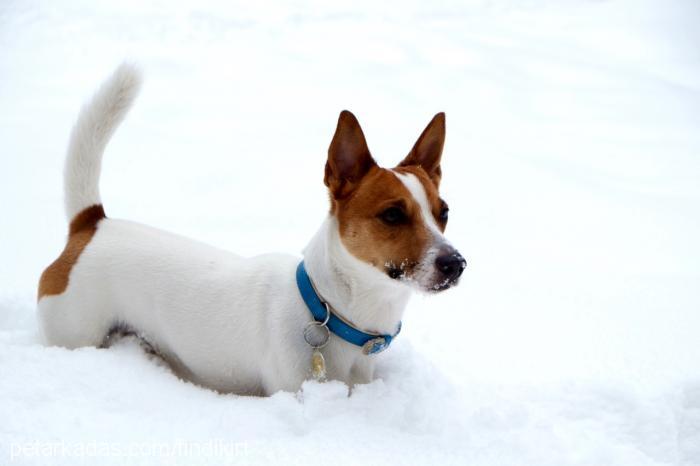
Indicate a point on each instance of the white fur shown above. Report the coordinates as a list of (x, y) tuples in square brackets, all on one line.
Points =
[(226, 322), (95, 126), (230, 323), (425, 277), (414, 186)]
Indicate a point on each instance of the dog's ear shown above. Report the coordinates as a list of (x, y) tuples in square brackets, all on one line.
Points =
[(348, 157), (427, 151)]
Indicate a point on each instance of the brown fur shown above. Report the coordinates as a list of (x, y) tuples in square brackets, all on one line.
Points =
[(364, 233), (360, 191), (54, 280), (349, 159), (427, 150)]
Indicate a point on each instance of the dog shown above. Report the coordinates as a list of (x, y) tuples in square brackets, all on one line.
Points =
[(252, 326)]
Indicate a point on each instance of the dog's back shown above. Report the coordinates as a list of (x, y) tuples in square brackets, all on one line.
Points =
[(174, 292)]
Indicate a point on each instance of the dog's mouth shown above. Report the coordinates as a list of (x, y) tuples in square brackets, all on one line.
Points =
[(444, 285), (403, 271), (399, 271), (394, 272), (435, 284)]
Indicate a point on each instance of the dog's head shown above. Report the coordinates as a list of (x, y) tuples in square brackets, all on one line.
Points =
[(393, 219)]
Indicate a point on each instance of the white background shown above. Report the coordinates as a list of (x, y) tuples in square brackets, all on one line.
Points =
[(572, 168)]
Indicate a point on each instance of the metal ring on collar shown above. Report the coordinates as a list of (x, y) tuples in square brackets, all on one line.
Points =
[(323, 325), (328, 313), (307, 334)]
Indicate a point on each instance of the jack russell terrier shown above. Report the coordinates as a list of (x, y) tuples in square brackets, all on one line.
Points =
[(262, 324)]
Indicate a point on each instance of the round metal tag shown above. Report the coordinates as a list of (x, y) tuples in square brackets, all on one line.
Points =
[(316, 334)]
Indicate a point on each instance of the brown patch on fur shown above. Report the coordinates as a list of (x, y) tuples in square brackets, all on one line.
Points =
[(371, 239), (427, 150), (54, 280), (349, 159)]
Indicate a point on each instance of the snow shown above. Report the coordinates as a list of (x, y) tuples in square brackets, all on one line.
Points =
[(571, 169)]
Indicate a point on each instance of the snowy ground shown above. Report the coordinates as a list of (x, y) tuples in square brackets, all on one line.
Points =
[(571, 168)]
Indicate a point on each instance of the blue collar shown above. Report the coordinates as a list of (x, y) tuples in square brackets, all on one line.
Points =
[(370, 343)]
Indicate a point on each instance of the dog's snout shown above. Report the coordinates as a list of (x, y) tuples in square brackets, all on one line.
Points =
[(451, 265)]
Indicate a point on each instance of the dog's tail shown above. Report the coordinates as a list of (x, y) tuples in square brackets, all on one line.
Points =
[(96, 123)]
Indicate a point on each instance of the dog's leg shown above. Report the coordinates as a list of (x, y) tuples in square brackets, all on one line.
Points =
[(362, 372), (71, 323), (121, 330)]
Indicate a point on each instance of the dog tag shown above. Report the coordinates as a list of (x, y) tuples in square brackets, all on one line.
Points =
[(318, 365), (317, 335)]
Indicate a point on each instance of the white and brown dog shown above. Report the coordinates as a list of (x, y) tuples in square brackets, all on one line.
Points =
[(237, 324)]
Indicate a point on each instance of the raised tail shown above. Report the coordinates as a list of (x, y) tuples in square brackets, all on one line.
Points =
[(96, 123)]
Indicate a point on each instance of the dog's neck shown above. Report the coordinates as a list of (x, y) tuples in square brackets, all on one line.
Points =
[(360, 293)]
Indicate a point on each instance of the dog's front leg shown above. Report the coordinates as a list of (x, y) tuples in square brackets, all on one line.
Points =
[(362, 371)]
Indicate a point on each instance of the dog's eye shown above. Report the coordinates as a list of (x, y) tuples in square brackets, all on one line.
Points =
[(444, 213), (393, 216)]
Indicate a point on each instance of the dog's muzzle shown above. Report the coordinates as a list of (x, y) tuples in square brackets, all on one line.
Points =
[(450, 265)]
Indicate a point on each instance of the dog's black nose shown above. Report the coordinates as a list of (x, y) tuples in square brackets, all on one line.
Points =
[(451, 265)]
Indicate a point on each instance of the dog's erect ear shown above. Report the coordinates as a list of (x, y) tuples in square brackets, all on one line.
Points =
[(348, 157), (427, 151)]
